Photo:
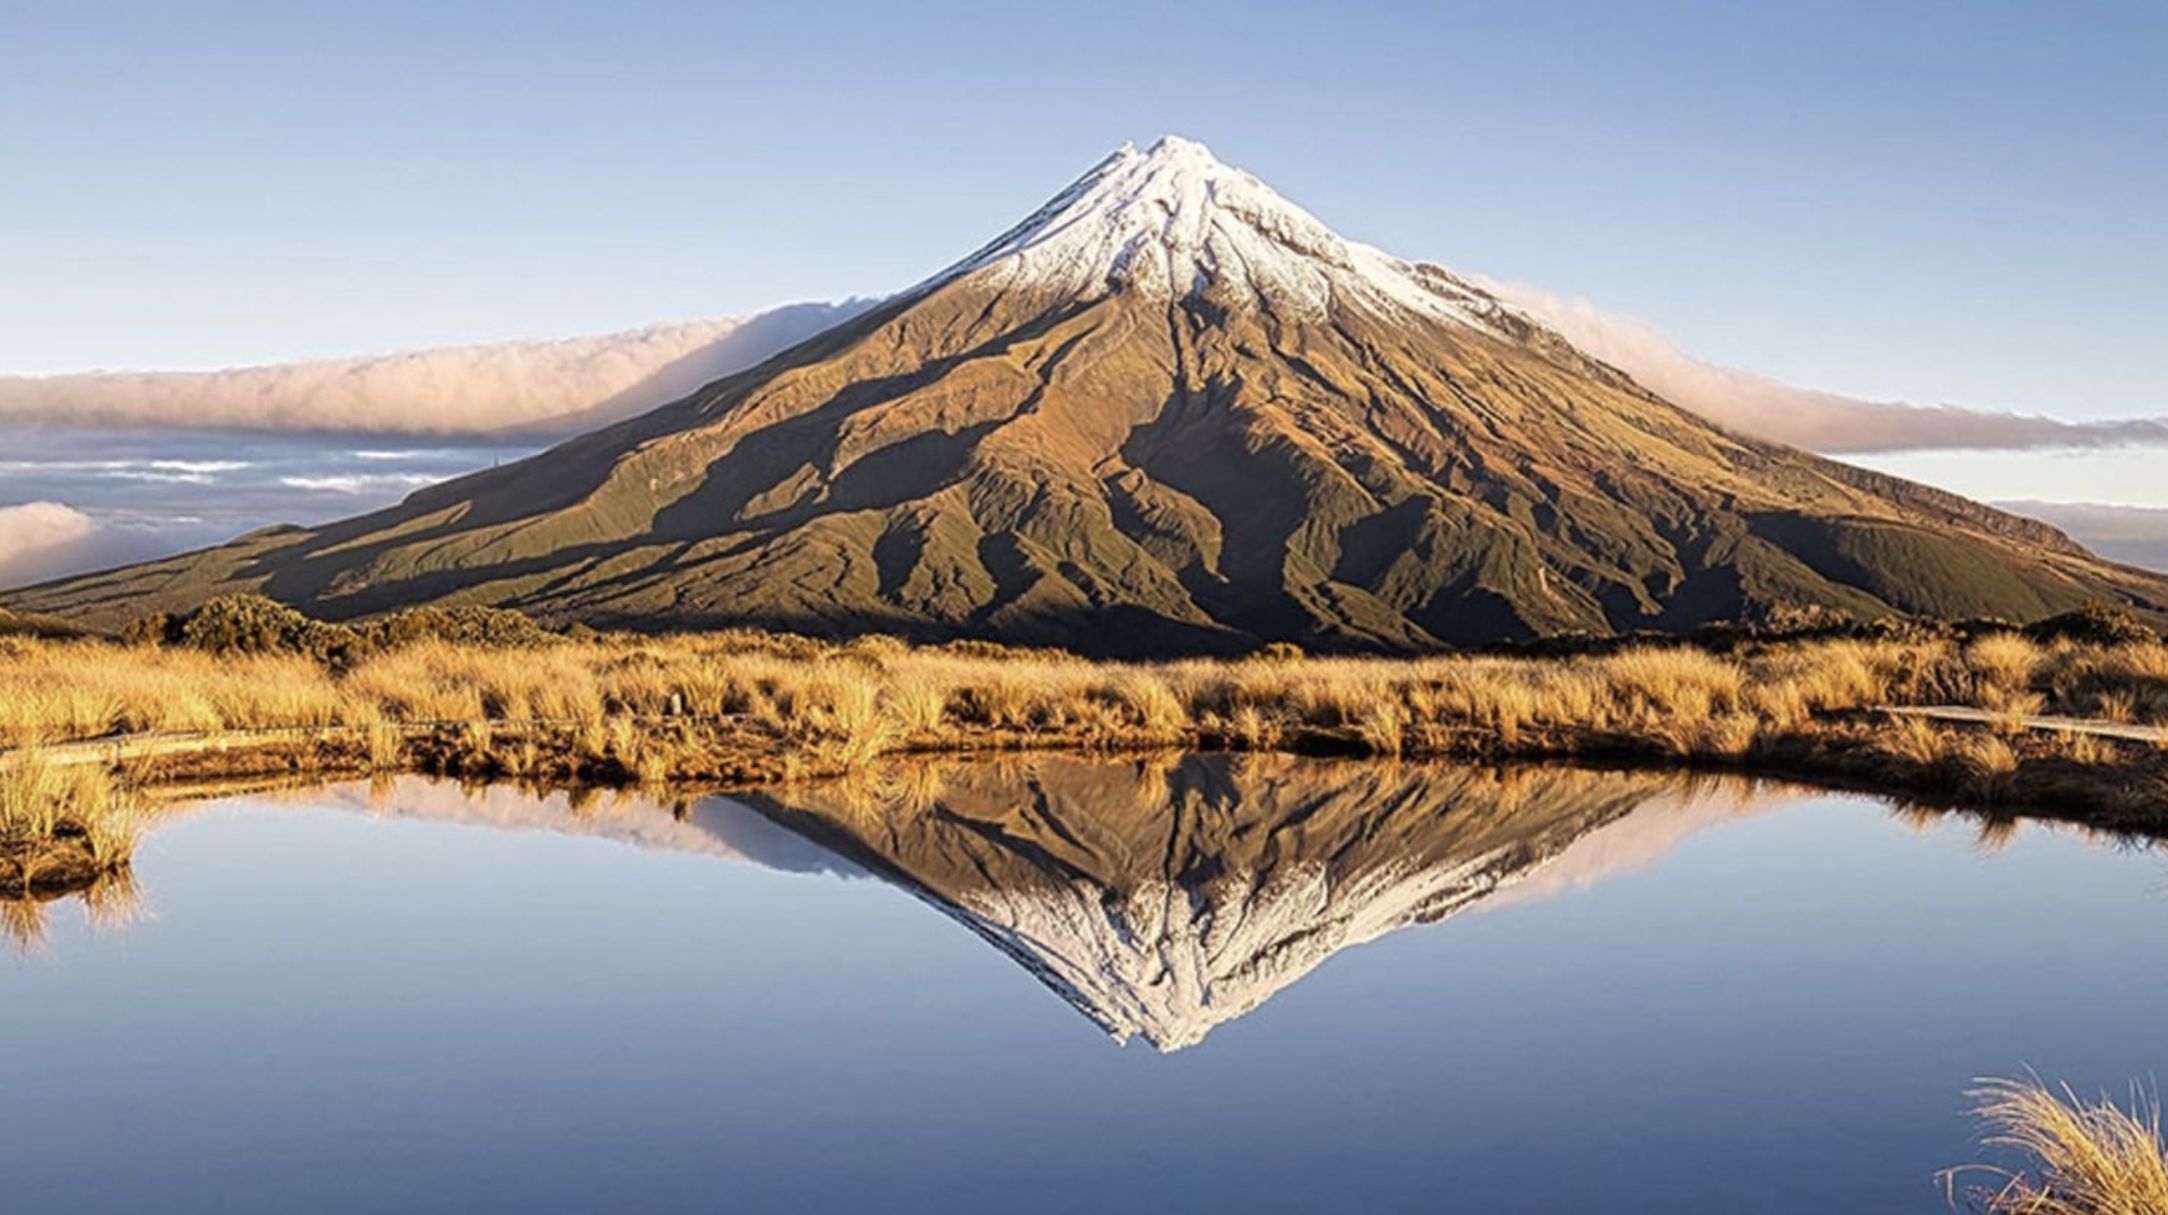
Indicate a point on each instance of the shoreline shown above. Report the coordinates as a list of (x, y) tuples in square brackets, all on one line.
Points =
[(1996, 720), (722, 755)]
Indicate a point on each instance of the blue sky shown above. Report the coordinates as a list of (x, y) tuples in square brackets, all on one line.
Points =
[(1933, 201)]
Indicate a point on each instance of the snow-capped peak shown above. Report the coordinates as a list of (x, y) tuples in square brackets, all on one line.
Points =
[(1173, 220)]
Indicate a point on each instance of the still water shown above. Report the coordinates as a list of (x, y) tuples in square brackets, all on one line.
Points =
[(1064, 985)]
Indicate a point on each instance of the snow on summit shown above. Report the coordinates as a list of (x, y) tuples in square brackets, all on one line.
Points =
[(1174, 221)]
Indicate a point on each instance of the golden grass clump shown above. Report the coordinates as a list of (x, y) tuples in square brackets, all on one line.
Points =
[(846, 718), (1152, 705), (2122, 682), (1986, 761), (1382, 728), (1256, 730), (1672, 683), (2085, 1158), (2003, 661), (2086, 749), (62, 824), (1912, 740), (920, 708)]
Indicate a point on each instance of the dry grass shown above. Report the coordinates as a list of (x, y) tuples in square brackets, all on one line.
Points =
[(2086, 1158), (1986, 761), (2002, 662), (59, 691), (625, 708), (2086, 748), (61, 826)]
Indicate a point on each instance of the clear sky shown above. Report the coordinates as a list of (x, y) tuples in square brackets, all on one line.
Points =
[(1931, 201)]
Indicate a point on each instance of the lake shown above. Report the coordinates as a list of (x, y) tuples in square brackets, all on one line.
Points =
[(1060, 984)]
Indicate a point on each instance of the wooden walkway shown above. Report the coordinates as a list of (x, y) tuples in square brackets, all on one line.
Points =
[(2057, 725), (116, 749)]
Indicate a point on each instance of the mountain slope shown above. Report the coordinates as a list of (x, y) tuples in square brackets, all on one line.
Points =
[(1168, 411)]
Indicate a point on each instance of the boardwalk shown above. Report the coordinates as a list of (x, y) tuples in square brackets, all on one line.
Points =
[(118, 749), (2059, 725)]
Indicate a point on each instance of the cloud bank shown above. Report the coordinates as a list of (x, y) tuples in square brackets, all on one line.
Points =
[(1819, 421), (542, 387)]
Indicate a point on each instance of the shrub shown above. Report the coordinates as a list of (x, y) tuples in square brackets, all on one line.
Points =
[(496, 628), (157, 628), (2096, 624), (254, 624)]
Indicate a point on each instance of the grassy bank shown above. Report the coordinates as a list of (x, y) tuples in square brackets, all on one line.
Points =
[(735, 706)]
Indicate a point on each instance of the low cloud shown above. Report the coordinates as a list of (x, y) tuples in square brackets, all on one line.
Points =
[(41, 539), (359, 483), (158, 472), (543, 388), (2134, 535), (1820, 421)]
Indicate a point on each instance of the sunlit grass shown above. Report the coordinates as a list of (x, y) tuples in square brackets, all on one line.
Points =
[(652, 708), (61, 827), (2082, 1158)]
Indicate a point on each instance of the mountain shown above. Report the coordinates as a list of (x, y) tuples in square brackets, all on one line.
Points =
[(1170, 411)]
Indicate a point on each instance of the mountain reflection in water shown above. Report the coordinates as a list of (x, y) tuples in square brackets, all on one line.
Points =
[(1160, 897)]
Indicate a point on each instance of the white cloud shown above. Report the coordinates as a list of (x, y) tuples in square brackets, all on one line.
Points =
[(1821, 421), (359, 483), (39, 540), (163, 472), (544, 387)]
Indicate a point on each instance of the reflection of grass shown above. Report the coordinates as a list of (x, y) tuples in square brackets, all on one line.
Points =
[(110, 902), (63, 831), (739, 705), (2085, 1158)]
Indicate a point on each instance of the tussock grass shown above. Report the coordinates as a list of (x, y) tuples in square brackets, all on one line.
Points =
[(2085, 1158), (61, 827), (739, 704)]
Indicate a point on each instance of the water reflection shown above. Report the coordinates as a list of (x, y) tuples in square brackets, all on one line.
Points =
[(1166, 897), (1159, 897), (111, 901), (608, 1001)]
